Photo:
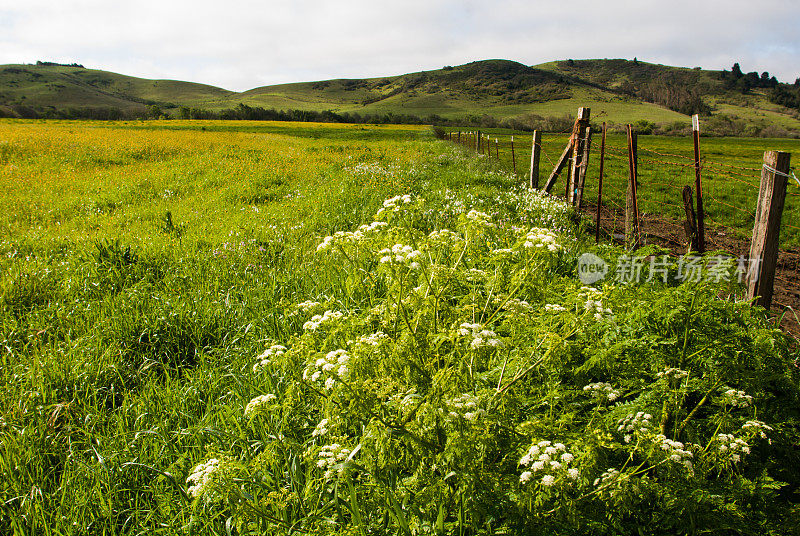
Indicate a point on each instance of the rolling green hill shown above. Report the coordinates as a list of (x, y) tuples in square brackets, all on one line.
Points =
[(618, 91), (43, 87)]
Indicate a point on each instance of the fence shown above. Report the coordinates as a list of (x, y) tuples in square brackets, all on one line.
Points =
[(701, 195)]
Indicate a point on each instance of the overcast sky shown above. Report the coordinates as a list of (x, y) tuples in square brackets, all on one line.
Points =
[(242, 44)]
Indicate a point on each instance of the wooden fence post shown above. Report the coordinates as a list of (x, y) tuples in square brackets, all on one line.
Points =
[(497, 148), (577, 154), (600, 183), (584, 167), (632, 204), (701, 230), (536, 149), (690, 225), (766, 231), (478, 142)]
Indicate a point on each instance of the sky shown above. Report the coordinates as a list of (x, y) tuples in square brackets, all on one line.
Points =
[(242, 44)]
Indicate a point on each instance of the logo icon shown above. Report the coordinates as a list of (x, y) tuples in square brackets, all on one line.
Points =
[(591, 268)]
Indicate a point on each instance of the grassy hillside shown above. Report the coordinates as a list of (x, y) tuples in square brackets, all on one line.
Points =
[(58, 86), (618, 91)]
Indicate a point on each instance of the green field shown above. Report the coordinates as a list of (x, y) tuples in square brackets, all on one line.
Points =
[(273, 328), (731, 172)]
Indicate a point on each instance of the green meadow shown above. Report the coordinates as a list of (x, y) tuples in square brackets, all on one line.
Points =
[(293, 328), (730, 170)]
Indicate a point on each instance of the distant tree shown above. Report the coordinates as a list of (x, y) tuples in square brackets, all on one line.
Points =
[(635, 61), (797, 82), (736, 71), (184, 112), (154, 111)]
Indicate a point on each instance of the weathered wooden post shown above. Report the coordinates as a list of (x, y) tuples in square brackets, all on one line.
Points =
[(632, 202), (577, 154), (584, 167), (497, 148), (701, 230), (600, 184), (536, 149), (690, 225), (766, 230)]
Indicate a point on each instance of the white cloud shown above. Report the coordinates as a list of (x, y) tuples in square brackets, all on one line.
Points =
[(240, 44)]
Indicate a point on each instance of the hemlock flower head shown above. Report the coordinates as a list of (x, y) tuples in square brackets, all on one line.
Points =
[(480, 218), (543, 458), (738, 399), (333, 366), (320, 429), (394, 204), (402, 255), (330, 456), (317, 321), (259, 403), (672, 373), (602, 391), (276, 350), (481, 338), (539, 238), (202, 476), (759, 427)]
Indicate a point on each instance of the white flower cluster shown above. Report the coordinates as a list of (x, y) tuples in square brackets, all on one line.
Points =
[(259, 403), (551, 460), (675, 451), (672, 373), (481, 338), (554, 308), (602, 391), (364, 231), (597, 307), (308, 305), (475, 275), (609, 475), (276, 350), (320, 429), (368, 230), (631, 424), (393, 204), (466, 406), (337, 239), (202, 476), (758, 426), (330, 456), (401, 254), (738, 399), (517, 306), (444, 237), (480, 218), (732, 447), (333, 365), (318, 320), (374, 340), (503, 251), (538, 237)]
